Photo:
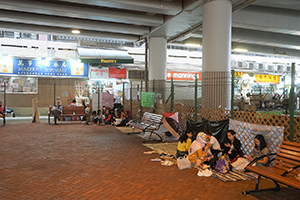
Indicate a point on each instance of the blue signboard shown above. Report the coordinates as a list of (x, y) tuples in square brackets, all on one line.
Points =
[(44, 68)]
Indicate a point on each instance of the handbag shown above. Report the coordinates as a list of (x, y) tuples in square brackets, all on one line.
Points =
[(183, 162), (222, 166)]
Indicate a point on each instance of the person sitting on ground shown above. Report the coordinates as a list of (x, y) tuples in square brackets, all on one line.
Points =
[(196, 154), (184, 144), (127, 115), (100, 120), (108, 117), (232, 145), (93, 119), (213, 147), (2, 112), (57, 111), (121, 117), (260, 149), (99, 114)]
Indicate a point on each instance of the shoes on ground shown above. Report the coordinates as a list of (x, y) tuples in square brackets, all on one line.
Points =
[(167, 163), (205, 172), (156, 159)]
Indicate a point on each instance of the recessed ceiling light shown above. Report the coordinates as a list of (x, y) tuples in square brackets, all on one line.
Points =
[(240, 50), (192, 45), (75, 31)]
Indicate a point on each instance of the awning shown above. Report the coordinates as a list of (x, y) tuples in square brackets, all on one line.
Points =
[(104, 56)]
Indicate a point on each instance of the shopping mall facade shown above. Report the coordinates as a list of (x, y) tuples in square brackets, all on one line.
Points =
[(51, 69)]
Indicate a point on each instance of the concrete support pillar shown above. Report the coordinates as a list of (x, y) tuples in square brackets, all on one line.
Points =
[(158, 65), (216, 54)]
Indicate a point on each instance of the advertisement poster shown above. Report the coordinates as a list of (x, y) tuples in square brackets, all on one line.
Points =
[(147, 99), (19, 85), (108, 100), (81, 88)]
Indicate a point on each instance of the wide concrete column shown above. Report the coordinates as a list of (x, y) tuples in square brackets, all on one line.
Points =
[(158, 64), (216, 45)]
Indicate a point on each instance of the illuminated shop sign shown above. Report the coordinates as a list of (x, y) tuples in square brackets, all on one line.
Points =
[(108, 61), (265, 78), (43, 68), (105, 73), (238, 74), (184, 76)]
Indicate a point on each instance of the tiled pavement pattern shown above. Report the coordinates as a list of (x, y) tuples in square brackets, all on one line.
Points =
[(40, 161)]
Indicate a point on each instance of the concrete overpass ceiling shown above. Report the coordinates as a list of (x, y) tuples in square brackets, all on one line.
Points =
[(260, 24)]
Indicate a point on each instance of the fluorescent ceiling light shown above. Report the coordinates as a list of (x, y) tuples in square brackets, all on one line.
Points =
[(192, 45), (75, 31), (240, 50)]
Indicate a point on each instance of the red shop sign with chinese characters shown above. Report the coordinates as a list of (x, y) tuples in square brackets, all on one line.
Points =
[(117, 73)]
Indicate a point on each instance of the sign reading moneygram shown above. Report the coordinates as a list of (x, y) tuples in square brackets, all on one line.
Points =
[(184, 76)]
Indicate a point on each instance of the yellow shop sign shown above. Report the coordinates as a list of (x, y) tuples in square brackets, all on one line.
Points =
[(265, 78), (108, 61)]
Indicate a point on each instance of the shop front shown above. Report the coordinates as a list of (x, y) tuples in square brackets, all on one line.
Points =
[(107, 75), (265, 91), (22, 80)]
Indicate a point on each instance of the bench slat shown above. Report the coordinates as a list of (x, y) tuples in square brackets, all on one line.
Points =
[(286, 162), (293, 173), (274, 174), (290, 157), (294, 144), (292, 148)]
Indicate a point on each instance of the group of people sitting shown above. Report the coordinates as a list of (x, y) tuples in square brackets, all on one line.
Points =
[(112, 116), (206, 150)]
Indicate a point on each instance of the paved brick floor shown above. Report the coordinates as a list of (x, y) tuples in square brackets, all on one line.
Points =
[(40, 161)]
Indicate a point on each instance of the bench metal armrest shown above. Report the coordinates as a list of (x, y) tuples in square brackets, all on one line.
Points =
[(133, 121), (260, 157), (146, 127), (290, 170)]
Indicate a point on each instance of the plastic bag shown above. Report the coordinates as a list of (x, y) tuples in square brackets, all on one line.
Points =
[(183, 163)]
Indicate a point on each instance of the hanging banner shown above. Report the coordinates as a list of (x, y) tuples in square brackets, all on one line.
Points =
[(147, 99), (265, 78), (41, 68), (105, 73), (117, 73), (184, 76), (101, 73)]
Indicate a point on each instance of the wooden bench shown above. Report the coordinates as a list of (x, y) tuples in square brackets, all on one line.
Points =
[(150, 122), (282, 169), (69, 111)]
